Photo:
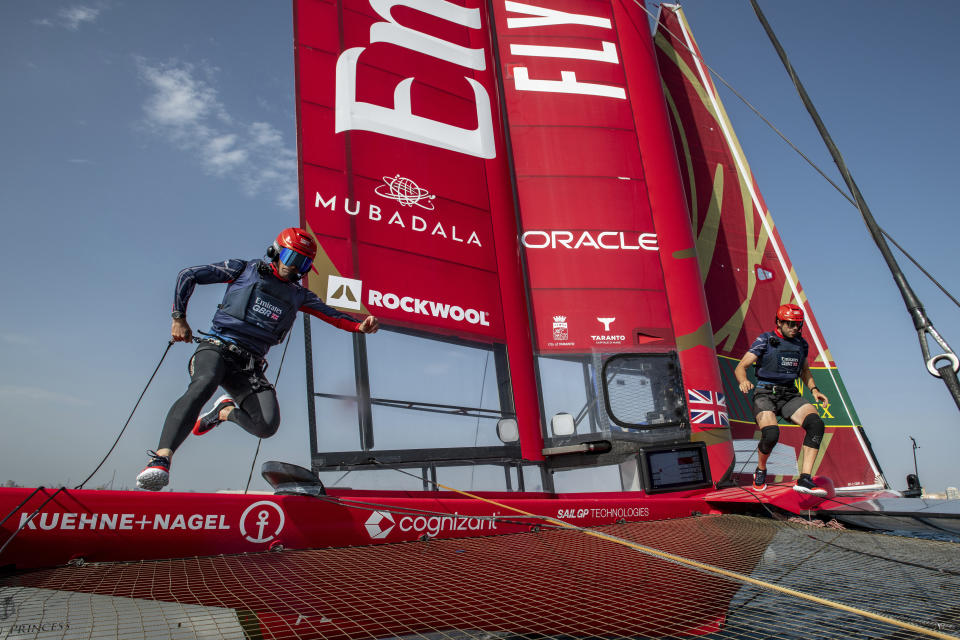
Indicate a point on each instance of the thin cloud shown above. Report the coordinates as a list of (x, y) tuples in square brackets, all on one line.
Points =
[(38, 394), (16, 338), (183, 107), (72, 18)]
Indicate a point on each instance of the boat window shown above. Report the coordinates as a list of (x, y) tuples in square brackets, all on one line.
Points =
[(589, 479), (611, 393), (644, 390), (410, 400), (569, 386)]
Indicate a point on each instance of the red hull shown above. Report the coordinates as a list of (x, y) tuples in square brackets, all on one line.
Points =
[(103, 526)]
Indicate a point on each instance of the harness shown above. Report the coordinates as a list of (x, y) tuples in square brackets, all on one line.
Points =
[(776, 388), (249, 364)]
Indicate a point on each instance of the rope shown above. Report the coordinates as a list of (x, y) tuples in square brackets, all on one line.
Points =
[(733, 575), (796, 149), (393, 509), (20, 506), (130, 417), (253, 463), (30, 517)]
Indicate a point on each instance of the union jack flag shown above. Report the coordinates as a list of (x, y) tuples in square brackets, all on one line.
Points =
[(707, 407)]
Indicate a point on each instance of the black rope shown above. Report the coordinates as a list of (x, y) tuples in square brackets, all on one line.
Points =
[(253, 463), (19, 506), (797, 150), (28, 519), (130, 417)]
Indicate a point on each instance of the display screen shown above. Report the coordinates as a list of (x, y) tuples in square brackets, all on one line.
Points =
[(676, 468)]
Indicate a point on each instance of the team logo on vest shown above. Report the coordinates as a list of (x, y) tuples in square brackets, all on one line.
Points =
[(262, 521), (789, 362), (379, 524), (419, 306), (344, 292), (606, 337), (405, 191), (266, 309)]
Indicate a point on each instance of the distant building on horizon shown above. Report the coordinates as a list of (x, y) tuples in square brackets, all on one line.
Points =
[(953, 493)]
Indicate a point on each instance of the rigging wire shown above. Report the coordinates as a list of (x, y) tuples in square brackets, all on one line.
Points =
[(797, 150), (130, 417), (31, 516), (476, 433), (921, 322), (20, 506), (256, 453)]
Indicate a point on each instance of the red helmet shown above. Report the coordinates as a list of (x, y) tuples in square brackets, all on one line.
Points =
[(298, 240), (294, 247), (790, 313)]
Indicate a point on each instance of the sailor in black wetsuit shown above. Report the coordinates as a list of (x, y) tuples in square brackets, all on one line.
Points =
[(258, 309), (781, 357)]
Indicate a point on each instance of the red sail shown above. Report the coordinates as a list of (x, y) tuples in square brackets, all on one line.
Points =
[(403, 171), (422, 206), (745, 268), (610, 256)]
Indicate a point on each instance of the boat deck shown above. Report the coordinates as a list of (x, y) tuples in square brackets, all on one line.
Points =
[(711, 576)]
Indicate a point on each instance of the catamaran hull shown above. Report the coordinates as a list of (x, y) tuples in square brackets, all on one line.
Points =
[(101, 526), (47, 527)]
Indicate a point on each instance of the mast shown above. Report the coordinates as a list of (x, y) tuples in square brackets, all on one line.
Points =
[(947, 371)]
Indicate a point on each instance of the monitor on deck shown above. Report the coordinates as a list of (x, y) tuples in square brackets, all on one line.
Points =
[(675, 467)]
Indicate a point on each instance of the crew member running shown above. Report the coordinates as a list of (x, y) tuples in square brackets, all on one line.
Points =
[(780, 357), (258, 309)]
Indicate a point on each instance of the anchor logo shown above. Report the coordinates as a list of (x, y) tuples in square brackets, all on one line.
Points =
[(266, 517)]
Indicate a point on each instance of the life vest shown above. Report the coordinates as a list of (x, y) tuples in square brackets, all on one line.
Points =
[(258, 308), (782, 360)]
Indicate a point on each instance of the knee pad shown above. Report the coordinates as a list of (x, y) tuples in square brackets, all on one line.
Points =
[(814, 427), (768, 438)]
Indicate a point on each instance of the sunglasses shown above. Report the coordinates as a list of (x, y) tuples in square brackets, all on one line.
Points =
[(298, 261)]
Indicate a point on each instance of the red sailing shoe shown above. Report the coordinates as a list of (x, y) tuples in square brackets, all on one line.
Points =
[(157, 473), (760, 480), (211, 418)]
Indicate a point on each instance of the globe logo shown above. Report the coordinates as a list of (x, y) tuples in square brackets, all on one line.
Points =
[(406, 192)]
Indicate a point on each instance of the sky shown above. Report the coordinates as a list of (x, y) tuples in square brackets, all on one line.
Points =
[(140, 138)]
